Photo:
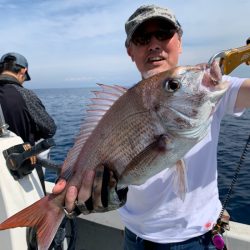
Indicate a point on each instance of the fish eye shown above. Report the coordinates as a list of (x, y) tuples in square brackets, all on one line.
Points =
[(172, 85)]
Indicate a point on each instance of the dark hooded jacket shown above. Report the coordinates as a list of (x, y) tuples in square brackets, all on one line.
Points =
[(24, 112)]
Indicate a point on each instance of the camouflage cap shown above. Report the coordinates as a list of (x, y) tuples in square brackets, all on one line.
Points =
[(146, 12)]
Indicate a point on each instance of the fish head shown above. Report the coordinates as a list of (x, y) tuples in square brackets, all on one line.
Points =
[(185, 97)]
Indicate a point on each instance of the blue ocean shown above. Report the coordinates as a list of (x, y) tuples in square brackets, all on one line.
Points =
[(67, 107)]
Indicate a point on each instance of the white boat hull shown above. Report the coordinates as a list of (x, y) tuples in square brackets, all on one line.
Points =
[(14, 196)]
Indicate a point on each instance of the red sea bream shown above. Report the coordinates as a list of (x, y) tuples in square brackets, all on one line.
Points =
[(136, 132)]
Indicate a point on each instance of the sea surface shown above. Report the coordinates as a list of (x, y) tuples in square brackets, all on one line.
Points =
[(67, 107)]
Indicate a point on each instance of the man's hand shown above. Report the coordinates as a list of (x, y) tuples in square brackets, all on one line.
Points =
[(97, 192)]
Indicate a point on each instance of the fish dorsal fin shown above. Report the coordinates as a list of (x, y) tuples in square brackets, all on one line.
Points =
[(99, 105)]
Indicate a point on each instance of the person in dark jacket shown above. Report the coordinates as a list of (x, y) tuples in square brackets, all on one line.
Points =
[(23, 110), (25, 114)]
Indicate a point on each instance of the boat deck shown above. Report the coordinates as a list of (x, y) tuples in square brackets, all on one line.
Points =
[(105, 231)]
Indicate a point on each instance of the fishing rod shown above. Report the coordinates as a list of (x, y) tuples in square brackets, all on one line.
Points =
[(228, 61)]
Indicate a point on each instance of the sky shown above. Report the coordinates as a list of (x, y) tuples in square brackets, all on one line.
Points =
[(78, 43)]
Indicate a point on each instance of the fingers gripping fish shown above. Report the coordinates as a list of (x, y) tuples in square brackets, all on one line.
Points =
[(136, 132)]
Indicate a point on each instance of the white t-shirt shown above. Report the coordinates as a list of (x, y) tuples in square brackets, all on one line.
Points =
[(154, 212)]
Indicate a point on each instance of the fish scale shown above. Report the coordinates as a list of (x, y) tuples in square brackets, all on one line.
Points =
[(116, 147), (124, 148)]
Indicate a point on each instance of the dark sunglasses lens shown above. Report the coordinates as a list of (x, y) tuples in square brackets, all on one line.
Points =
[(144, 38), (141, 39), (164, 35)]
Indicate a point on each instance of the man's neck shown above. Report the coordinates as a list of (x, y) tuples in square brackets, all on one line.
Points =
[(11, 74)]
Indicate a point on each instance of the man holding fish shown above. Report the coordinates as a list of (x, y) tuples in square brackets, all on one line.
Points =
[(168, 162), (154, 217)]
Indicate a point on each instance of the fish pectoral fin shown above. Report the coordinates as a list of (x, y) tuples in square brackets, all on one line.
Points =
[(180, 179), (145, 157)]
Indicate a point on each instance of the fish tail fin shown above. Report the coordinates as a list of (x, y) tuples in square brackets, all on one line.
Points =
[(44, 215), (180, 180)]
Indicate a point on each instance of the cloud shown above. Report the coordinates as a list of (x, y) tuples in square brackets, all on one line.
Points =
[(73, 39)]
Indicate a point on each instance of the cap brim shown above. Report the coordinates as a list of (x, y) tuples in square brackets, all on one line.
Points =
[(27, 76)]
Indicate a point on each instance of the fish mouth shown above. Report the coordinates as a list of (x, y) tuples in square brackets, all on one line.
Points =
[(212, 81), (212, 77)]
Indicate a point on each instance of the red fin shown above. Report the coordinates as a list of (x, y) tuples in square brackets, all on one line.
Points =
[(44, 214), (180, 180), (99, 106)]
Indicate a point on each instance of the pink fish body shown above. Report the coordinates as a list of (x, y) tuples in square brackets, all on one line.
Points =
[(137, 133)]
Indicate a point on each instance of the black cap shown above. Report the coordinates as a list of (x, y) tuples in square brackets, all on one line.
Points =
[(19, 60)]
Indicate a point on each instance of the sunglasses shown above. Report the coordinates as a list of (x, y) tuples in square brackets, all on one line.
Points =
[(144, 38)]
